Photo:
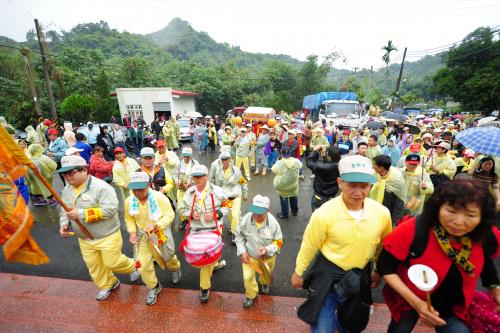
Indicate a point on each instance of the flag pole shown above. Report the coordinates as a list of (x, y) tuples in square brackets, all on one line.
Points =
[(58, 198)]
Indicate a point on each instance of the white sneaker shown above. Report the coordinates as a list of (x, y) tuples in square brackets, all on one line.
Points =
[(104, 293), (135, 275), (151, 298)]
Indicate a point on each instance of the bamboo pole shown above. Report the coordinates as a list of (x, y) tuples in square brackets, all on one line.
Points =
[(59, 200)]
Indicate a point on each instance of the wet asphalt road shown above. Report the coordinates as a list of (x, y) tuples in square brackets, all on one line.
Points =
[(66, 260)]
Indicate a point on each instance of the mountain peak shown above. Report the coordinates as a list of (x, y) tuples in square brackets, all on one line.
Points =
[(175, 30)]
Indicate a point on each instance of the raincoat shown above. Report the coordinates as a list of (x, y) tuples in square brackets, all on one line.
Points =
[(414, 195), (169, 135), (392, 182), (393, 153), (322, 140), (445, 165), (286, 181), (42, 139), (32, 136), (45, 165), (69, 134), (121, 174)]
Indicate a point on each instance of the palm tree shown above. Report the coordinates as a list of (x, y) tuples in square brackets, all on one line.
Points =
[(387, 58)]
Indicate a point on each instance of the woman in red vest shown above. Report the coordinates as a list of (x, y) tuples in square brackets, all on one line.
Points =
[(457, 238)]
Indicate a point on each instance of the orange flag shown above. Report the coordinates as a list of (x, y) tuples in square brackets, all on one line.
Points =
[(15, 218)]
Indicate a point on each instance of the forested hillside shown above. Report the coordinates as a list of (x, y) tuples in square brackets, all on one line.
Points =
[(92, 59)]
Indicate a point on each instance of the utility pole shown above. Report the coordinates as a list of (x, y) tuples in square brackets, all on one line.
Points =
[(370, 81), (398, 85), (25, 51), (41, 44)]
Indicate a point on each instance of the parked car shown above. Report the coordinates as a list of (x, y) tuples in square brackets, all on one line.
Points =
[(185, 129)]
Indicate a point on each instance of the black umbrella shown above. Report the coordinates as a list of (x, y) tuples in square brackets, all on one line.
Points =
[(374, 125), (413, 129), (397, 116)]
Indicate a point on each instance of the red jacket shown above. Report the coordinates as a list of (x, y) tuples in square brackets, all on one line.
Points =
[(398, 244), (100, 168)]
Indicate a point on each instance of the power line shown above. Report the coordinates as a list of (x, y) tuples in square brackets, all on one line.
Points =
[(420, 9)]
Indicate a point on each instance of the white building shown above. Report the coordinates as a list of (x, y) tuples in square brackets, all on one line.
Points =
[(150, 102)]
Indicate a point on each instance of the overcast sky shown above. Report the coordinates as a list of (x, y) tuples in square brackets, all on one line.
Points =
[(358, 28)]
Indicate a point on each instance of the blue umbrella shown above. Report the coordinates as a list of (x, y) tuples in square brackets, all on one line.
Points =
[(484, 140)]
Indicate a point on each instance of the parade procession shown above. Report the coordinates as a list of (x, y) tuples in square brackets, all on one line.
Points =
[(368, 208), (168, 182)]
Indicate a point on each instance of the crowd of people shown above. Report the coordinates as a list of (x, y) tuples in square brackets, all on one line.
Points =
[(382, 199)]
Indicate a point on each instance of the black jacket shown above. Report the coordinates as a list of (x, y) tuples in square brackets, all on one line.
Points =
[(353, 314), (325, 182), (395, 205)]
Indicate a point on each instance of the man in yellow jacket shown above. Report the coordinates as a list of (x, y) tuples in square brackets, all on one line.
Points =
[(94, 204), (149, 216), (347, 232)]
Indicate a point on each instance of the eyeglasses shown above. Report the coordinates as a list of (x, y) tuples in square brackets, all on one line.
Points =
[(70, 173)]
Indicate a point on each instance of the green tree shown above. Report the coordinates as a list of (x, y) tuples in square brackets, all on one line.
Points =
[(472, 72), (388, 49), (78, 108)]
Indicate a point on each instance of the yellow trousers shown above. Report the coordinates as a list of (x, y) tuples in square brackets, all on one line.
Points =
[(180, 204), (206, 276), (249, 281), (146, 258), (244, 160), (234, 216), (252, 158), (104, 257)]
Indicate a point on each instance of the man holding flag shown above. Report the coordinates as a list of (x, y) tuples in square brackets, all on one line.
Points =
[(94, 203)]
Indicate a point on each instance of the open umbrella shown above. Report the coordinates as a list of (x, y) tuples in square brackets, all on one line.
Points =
[(413, 129), (485, 120), (399, 117), (374, 125), (194, 114), (484, 140), (429, 120), (459, 116), (387, 114)]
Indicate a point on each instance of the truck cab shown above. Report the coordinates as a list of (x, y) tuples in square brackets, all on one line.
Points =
[(343, 112)]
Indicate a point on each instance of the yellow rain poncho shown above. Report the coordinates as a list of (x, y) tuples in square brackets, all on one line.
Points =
[(392, 182), (414, 195), (45, 165)]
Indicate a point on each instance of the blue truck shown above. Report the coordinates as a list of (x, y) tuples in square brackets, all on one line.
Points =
[(341, 107)]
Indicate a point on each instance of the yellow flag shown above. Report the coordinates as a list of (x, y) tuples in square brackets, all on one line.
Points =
[(15, 218)]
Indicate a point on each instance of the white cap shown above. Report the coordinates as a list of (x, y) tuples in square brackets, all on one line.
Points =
[(260, 204), (264, 127), (444, 145), (147, 151), (139, 180), (71, 162), (199, 170), (356, 169), (89, 123), (224, 155), (187, 151), (72, 151)]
